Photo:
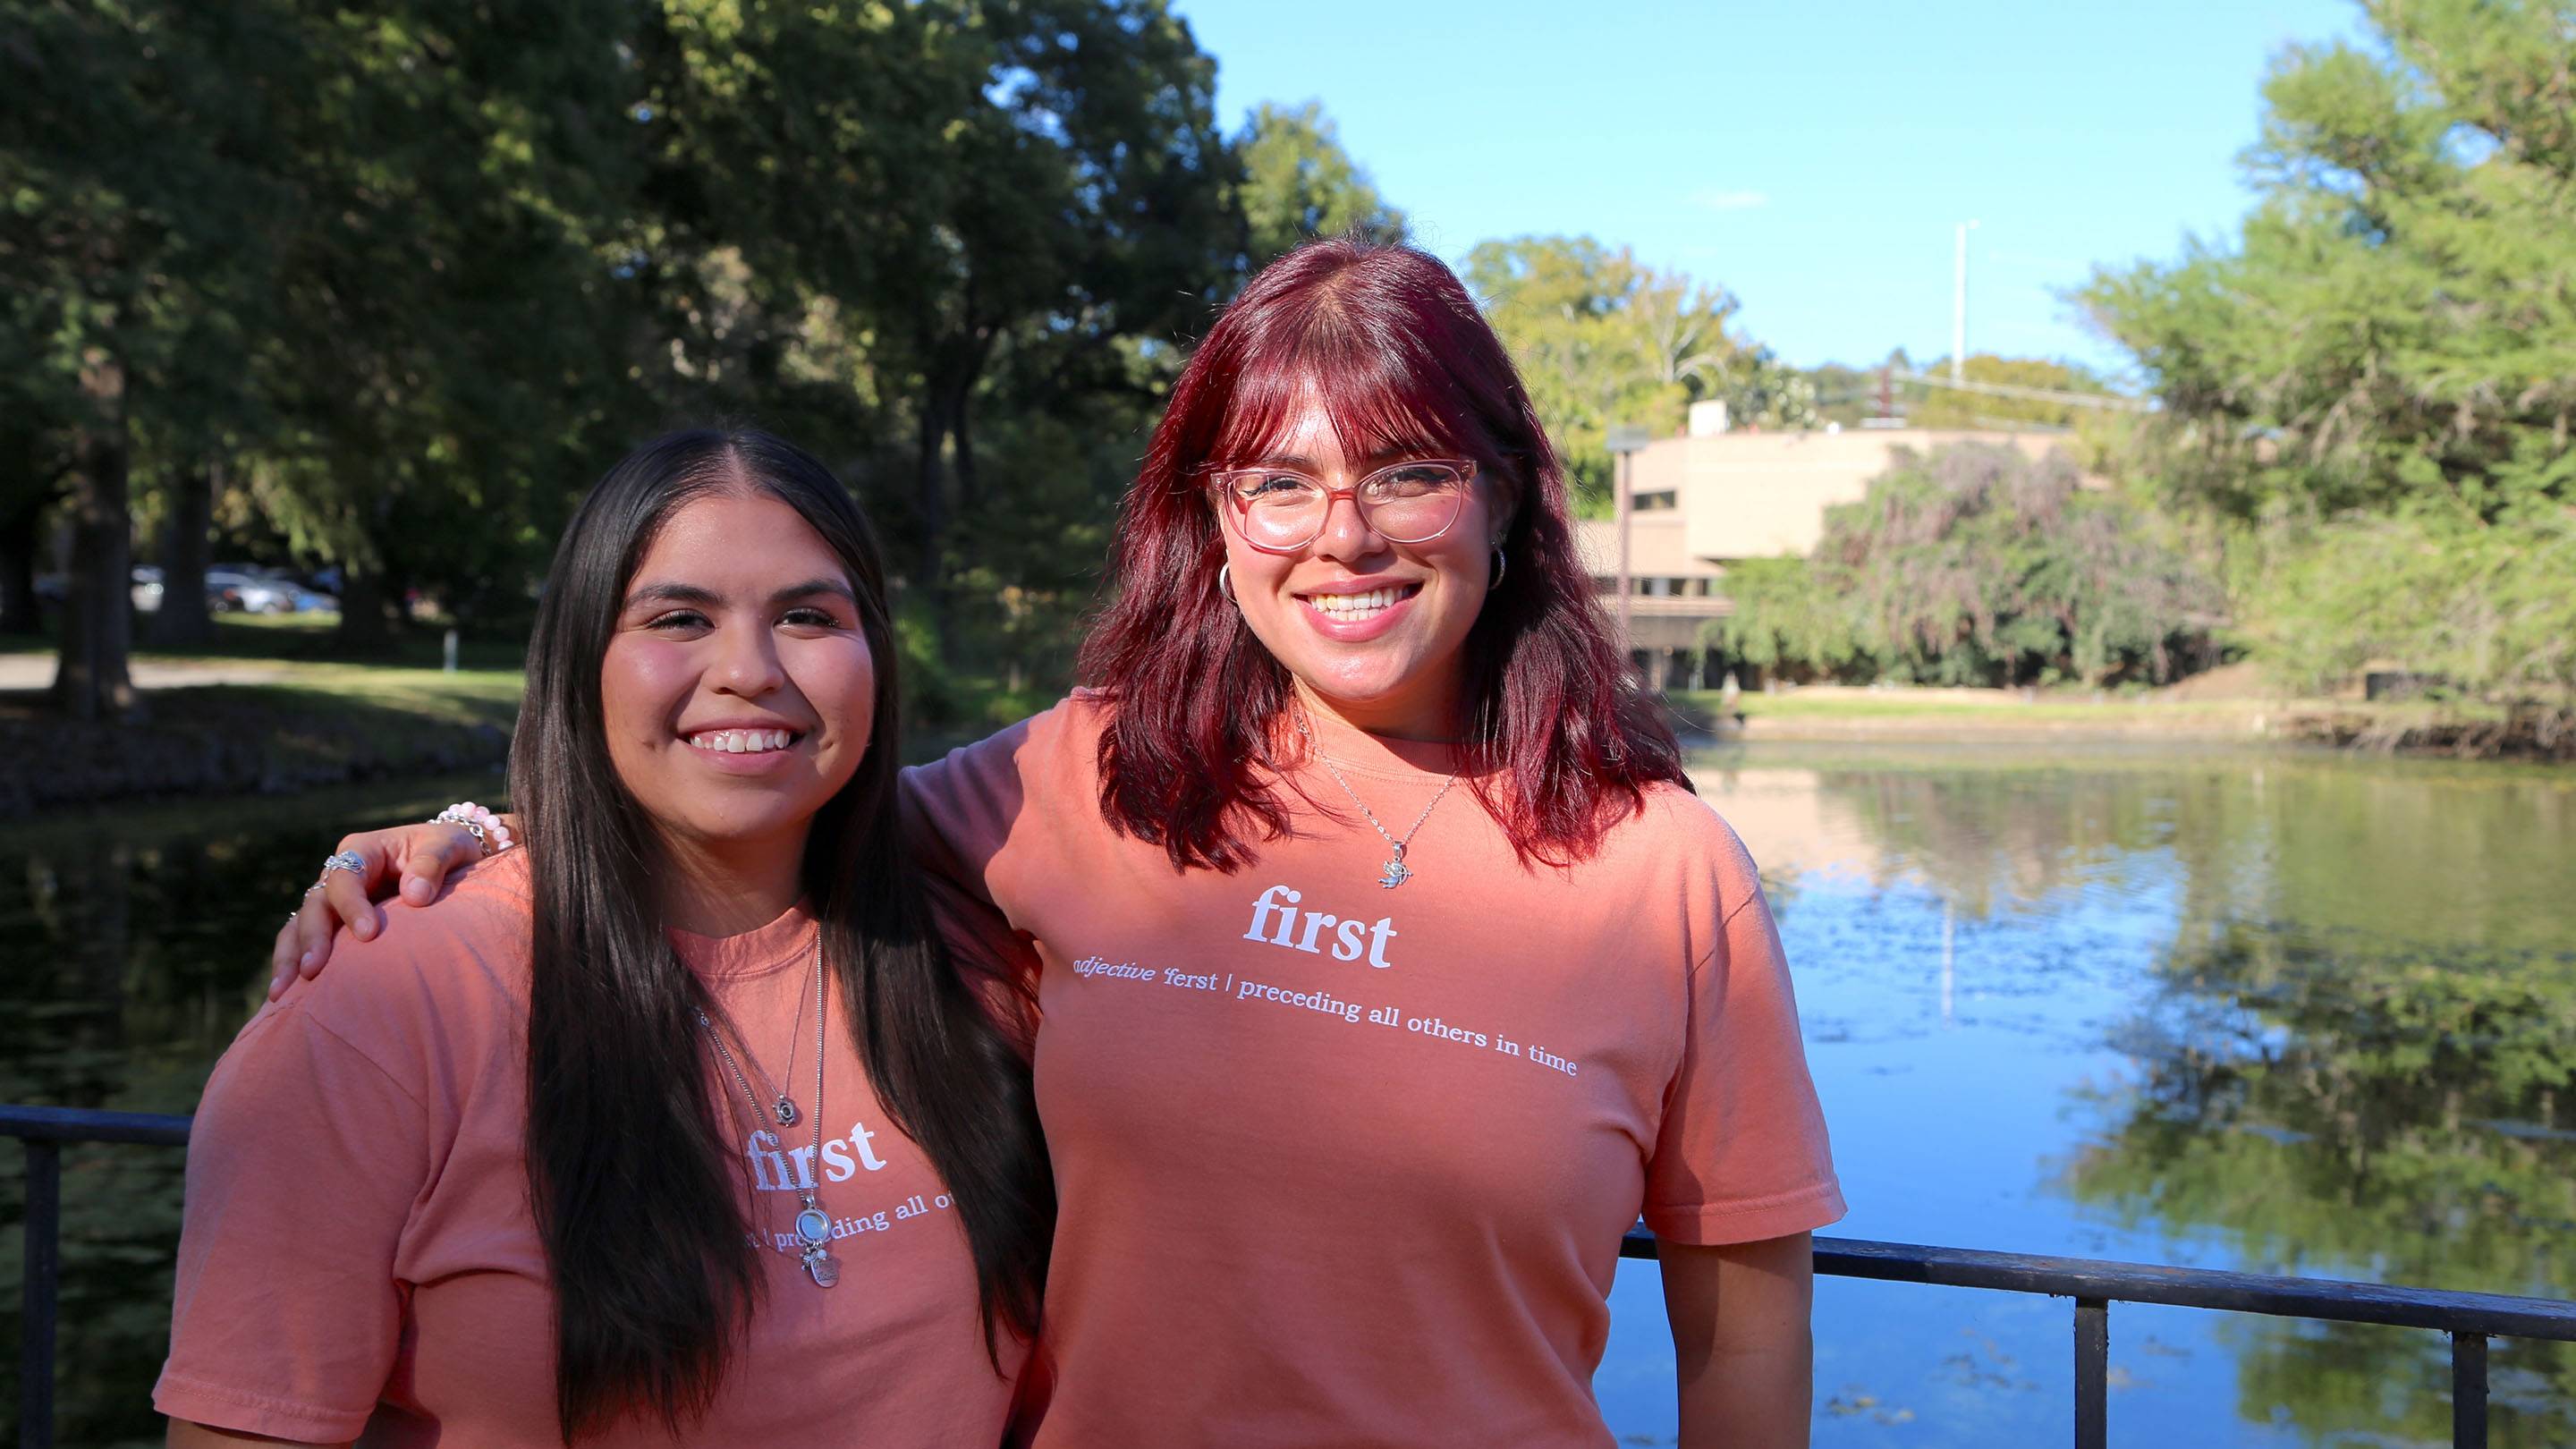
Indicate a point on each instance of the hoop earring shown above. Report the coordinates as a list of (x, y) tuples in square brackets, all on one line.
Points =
[(1500, 563), (1225, 583)]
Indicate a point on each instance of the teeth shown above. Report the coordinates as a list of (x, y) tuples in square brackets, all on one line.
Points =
[(742, 742), (1356, 606)]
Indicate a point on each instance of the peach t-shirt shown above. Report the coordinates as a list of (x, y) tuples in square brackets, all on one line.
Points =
[(1343, 1164), (358, 1252)]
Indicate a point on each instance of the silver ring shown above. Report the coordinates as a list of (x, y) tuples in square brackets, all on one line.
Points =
[(348, 860)]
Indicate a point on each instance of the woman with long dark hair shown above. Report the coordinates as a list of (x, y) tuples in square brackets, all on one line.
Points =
[(679, 1124), (1387, 967)]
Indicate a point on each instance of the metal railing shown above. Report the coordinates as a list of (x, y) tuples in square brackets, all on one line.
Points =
[(45, 1130), (2469, 1318)]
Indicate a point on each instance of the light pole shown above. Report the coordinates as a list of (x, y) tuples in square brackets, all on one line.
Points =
[(1959, 306), (1625, 439)]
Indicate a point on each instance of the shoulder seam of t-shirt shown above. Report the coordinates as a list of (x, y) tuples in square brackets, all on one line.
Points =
[(330, 1421), (355, 1050)]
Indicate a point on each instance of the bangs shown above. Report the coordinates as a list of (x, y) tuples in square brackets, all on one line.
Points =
[(1382, 394)]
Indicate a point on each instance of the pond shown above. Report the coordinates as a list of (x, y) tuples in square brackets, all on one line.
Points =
[(2277, 1011)]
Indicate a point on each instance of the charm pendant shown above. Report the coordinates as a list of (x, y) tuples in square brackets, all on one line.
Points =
[(814, 1228), (821, 1266), (786, 1111), (1396, 871)]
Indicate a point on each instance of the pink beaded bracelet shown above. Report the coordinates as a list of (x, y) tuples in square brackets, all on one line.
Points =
[(486, 828)]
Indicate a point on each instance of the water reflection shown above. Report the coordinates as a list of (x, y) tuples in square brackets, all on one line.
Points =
[(2275, 1012), (2272, 1011), (133, 944)]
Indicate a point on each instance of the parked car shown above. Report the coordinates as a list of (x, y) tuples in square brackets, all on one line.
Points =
[(248, 593), (54, 589)]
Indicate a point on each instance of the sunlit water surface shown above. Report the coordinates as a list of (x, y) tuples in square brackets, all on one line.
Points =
[(2293, 1012)]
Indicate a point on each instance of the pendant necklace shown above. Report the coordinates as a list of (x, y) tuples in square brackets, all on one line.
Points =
[(1396, 872), (813, 1225)]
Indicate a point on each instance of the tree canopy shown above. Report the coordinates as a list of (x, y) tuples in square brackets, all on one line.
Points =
[(396, 283), (1977, 565), (1298, 182), (2375, 383), (1603, 340)]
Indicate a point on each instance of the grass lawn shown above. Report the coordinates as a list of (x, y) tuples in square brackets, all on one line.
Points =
[(292, 637), (276, 713)]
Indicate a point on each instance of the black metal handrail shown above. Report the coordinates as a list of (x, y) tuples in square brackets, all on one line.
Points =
[(2469, 1318)]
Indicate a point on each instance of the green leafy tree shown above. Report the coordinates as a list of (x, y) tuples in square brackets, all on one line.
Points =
[(137, 177), (1299, 182), (1602, 340), (952, 184), (2006, 393), (1976, 565), (2378, 337), (2387, 340)]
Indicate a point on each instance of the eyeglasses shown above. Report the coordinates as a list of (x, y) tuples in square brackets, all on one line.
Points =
[(1281, 510)]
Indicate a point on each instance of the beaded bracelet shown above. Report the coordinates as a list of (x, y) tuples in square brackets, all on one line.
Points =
[(490, 835)]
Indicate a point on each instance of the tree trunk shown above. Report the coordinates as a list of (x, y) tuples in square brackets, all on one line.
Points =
[(970, 492), (929, 582), (92, 679), (365, 627), (186, 546), (20, 613)]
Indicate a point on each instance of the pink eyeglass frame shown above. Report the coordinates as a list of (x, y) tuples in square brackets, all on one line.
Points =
[(1240, 509)]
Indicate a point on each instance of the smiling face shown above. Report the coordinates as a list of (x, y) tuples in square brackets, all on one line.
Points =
[(1373, 630), (737, 691)]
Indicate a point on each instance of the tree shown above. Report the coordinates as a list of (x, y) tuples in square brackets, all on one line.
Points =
[(1976, 565), (2023, 394), (1602, 340), (2377, 338), (950, 182), (2388, 339), (1298, 183), (132, 225)]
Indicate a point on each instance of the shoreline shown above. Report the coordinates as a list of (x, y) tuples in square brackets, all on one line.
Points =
[(1995, 716), (306, 726)]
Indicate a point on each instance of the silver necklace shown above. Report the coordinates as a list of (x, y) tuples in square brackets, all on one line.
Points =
[(1396, 872), (813, 1225)]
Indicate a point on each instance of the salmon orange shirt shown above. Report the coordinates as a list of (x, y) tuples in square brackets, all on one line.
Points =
[(358, 1254), (1348, 1164)]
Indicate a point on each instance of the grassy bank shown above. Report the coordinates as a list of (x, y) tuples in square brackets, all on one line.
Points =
[(1830, 712), (258, 714)]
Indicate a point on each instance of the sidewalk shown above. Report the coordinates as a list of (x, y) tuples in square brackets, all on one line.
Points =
[(34, 671)]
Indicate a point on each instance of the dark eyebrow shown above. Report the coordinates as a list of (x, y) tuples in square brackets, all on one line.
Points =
[(671, 593), (835, 587), (678, 593)]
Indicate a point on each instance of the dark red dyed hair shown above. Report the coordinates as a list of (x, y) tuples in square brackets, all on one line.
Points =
[(1559, 743)]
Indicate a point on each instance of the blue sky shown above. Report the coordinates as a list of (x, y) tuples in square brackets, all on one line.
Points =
[(1812, 158)]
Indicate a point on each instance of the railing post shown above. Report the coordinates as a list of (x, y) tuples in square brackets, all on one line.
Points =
[(2092, 1372), (44, 1252), (2468, 1390)]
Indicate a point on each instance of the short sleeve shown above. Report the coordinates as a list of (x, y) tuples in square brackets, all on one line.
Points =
[(1742, 1153), (1001, 819), (959, 810), (304, 1163)]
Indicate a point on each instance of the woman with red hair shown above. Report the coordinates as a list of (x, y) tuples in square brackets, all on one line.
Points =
[(1388, 968)]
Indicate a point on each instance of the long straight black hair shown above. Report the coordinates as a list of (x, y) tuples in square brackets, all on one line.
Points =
[(628, 1169)]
